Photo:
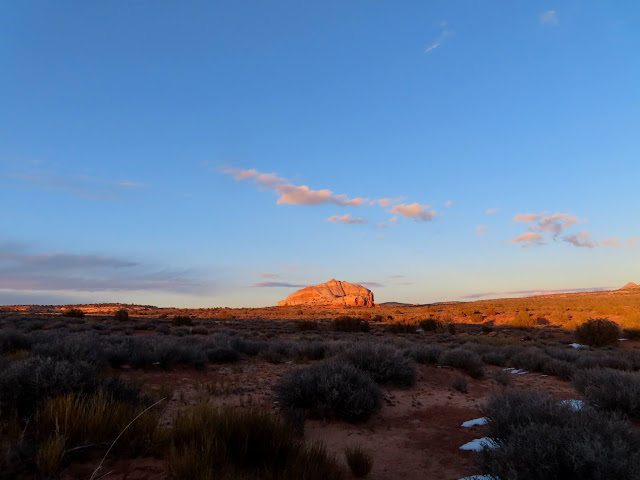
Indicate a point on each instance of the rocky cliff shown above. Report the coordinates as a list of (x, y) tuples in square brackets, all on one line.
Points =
[(333, 293)]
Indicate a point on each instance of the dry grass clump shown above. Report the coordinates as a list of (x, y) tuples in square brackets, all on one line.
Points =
[(359, 460), (207, 443), (598, 332), (523, 320), (459, 383), (539, 438), (330, 389)]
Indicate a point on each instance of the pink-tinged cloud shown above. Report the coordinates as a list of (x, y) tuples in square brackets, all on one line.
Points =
[(528, 217), (393, 219), (277, 284), (348, 219), (528, 239), (382, 225), (268, 275), (611, 242), (581, 239), (491, 211), (537, 292), (414, 210), (633, 243), (371, 284), (292, 194), (448, 203), (481, 230), (556, 223), (303, 195)]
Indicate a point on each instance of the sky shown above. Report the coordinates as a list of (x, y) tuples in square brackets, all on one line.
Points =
[(207, 154)]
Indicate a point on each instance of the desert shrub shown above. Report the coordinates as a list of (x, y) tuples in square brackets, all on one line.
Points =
[(609, 389), (631, 333), (359, 460), (523, 320), (399, 327), (459, 383), (73, 313), (27, 383), (222, 354), (75, 347), (531, 359), (451, 328), (598, 332), (210, 443), (311, 351), (200, 330), (121, 315), (487, 328), (427, 354), (330, 389), (477, 317), (539, 438), (503, 377), (182, 321), (307, 325), (465, 360), (11, 340), (163, 330), (558, 368), (386, 365), (248, 347), (597, 360), (377, 318), (430, 324), (350, 324)]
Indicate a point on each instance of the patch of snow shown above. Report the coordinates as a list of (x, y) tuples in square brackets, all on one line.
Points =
[(576, 345), (519, 372), (477, 421), (623, 339), (509, 368), (544, 375), (575, 404), (480, 477), (478, 444)]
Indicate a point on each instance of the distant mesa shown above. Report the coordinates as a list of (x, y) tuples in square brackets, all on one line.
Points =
[(630, 286), (333, 293)]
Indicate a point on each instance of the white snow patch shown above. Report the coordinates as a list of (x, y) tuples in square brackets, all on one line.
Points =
[(509, 368), (478, 444), (575, 404), (576, 345), (623, 339), (480, 477), (476, 421), (519, 372)]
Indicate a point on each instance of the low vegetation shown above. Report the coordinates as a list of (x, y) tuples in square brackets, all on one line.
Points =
[(359, 460), (598, 332)]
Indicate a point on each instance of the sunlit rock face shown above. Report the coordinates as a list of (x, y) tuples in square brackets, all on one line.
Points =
[(333, 293), (631, 286)]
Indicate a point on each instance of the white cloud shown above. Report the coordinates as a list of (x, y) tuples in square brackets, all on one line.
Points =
[(550, 17), (439, 40), (414, 210)]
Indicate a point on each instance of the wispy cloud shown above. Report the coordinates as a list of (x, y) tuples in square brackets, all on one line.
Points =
[(448, 203), (529, 217), (278, 285), (481, 230), (290, 193), (268, 275), (550, 17), (348, 219), (580, 239), (58, 271), (370, 284), (528, 239), (633, 243), (491, 211), (542, 291), (415, 211), (444, 34), (82, 185)]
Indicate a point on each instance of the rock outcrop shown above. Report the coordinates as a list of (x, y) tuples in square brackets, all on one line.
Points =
[(630, 286), (333, 293)]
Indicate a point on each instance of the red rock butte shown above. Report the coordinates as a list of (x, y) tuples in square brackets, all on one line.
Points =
[(333, 293), (630, 286)]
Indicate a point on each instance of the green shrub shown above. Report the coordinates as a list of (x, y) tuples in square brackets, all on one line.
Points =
[(330, 389), (399, 327), (350, 324), (430, 324), (523, 320), (598, 332), (386, 365), (182, 321), (121, 315), (73, 313), (359, 460), (465, 360)]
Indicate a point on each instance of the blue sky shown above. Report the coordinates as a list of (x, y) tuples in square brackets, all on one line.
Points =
[(226, 153)]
